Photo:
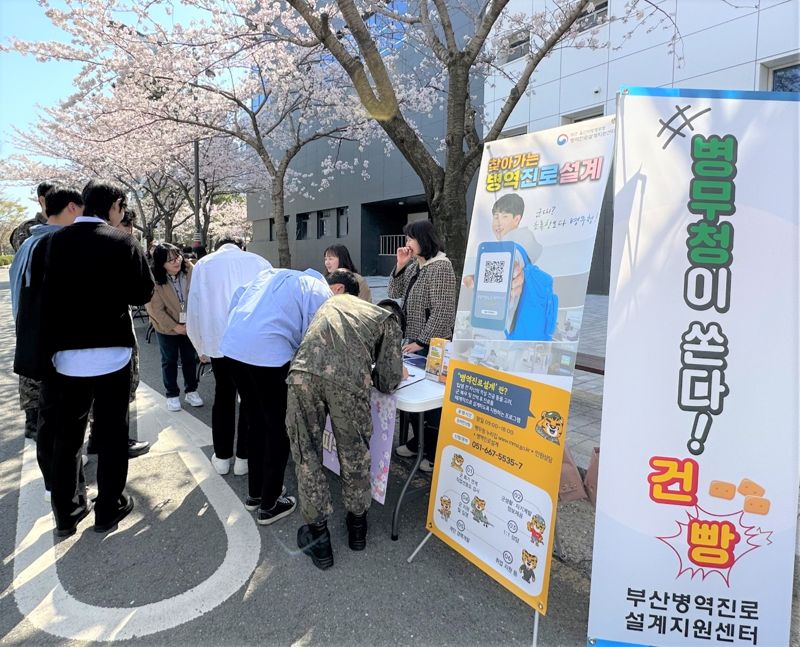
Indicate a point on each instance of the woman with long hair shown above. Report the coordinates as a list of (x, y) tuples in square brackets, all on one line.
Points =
[(425, 279), (167, 310), (337, 257)]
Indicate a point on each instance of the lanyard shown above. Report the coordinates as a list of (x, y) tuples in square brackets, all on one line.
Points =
[(178, 287)]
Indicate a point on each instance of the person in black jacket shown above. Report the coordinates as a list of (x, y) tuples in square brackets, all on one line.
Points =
[(93, 272)]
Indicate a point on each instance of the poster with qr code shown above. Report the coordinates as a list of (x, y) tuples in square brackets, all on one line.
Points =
[(695, 534), (529, 251), (505, 414)]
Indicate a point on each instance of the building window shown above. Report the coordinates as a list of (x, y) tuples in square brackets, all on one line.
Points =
[(582, 115), (594, 18), (326, 223), (342, 222), (786, 79), (273, 234), (514, 45), (513, 132), (302, 226)]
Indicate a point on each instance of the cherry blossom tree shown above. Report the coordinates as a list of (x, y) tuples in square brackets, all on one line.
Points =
[(458, 43), (214, 74)]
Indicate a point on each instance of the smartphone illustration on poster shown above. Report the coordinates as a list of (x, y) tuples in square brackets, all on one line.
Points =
[(492, 297)]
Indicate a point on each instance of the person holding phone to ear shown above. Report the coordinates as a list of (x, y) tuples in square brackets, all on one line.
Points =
[(425, 279)]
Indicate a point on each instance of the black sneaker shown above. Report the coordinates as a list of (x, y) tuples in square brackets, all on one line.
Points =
[(71, 526), (283, 507), (315, 541), (137, 447), (109, 523), (254, 502)]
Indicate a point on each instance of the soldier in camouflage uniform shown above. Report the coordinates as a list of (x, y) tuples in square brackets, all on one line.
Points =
[(22, 231), (331, 374), (28, 388)]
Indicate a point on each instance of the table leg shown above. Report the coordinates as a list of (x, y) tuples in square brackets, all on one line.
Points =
[(420, 452)]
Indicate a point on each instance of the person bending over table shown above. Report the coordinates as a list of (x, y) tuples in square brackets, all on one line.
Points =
[(332, 374)]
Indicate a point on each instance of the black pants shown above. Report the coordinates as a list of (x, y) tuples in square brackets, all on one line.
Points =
[(223, 412), (110, 396), (263, 391), (432, 421), (173, 346), (48, 426)]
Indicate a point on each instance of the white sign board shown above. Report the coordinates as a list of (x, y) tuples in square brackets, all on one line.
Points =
[(697, 495)]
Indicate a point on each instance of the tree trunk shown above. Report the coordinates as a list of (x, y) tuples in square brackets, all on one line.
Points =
[(448, 212), (276, 194), (167, 230)]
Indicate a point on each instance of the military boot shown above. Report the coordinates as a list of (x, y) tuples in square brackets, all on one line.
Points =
[(357, 531), (31, 423), (315, 541)]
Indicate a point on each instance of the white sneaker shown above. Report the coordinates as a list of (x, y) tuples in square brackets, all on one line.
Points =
[(193, 398), (426, 466), (240, 466), (174, 404), (222, 465), (404, 451)]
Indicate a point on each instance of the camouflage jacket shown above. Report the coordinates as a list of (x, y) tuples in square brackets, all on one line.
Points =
[(345, 338), (23, 231)]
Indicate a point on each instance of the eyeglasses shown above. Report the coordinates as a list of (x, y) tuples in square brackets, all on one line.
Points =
[(172, 259)]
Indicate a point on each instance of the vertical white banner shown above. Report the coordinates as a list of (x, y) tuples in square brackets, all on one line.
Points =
[(697, 495)]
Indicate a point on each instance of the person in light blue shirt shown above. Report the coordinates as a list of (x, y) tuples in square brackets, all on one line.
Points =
[(64, 204), (267, 320)]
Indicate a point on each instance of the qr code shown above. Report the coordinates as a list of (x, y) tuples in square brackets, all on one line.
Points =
[(494, 271)]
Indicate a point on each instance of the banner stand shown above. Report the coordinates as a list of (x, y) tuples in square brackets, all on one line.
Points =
[(535, 613), (419, 548)]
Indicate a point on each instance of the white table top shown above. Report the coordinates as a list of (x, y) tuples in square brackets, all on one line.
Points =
[(420, 396)]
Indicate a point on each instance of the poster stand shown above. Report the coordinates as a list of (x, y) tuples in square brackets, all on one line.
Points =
[(557, 551), (535, 613)]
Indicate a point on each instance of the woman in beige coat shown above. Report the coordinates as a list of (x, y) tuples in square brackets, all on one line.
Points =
[(337, 257), (167, 310)]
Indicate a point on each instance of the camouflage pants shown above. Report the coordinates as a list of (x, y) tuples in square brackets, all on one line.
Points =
[(309, 401), (134, 372), (28, 393)]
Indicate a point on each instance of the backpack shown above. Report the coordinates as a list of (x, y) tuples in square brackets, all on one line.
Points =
[(537, 310)]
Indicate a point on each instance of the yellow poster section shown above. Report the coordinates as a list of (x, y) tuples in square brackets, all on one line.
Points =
[(496, 477)]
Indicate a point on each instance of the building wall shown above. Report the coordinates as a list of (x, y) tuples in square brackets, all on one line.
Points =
[(722, 47)]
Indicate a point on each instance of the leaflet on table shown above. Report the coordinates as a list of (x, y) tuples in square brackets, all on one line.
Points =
[(501, 440), (415, 375), (384, 409), (697, 494)]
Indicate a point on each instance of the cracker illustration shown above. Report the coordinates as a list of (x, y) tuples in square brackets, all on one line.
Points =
[(750, 488), (756, 505), (722, 489)]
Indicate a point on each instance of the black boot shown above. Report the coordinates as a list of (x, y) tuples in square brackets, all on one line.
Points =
[(31, 423), (315, 541), (357, 530)]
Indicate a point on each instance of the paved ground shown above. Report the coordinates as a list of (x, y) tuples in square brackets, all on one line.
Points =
[(190, 567)]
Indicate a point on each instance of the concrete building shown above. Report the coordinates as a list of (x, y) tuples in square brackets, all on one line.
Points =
[(706, 44)]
